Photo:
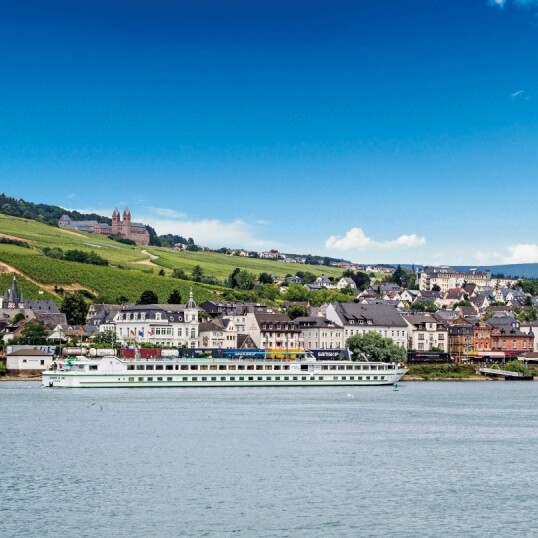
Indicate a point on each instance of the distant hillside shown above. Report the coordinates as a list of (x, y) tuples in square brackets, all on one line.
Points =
[(516, 270)]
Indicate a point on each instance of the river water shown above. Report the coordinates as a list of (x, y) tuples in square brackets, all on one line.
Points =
[(431, 459)]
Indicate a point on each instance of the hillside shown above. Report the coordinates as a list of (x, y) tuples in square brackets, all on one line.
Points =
[(131, 269)]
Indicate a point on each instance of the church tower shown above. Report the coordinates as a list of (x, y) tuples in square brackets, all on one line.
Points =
[(126, 228), (116, 222)]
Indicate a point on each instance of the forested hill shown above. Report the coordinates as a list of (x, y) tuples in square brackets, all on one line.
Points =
[(48, 214)]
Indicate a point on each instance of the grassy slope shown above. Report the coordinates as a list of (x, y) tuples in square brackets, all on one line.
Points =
[(130, 272)]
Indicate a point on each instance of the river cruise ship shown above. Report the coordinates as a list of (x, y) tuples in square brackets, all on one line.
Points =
[(301, 370)]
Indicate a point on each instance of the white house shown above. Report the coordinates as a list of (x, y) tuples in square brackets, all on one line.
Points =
[(320, 333), (358, 318), (28, 361), (426, 332)]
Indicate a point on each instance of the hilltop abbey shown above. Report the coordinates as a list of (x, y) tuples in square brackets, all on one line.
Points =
[(121, 227)]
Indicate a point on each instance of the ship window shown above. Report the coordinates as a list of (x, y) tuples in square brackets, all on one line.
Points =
[(286, 378), (375, 377), (131, 379), (184, 366), (130, 367), (335, 378), (268, 367), (304, 367), (304, 378), (159, 379), (251, 379), (149, 366), (169, 379), (268, 378), (357, 367), (149, 379), (169, 366), (382, 377), (324, 367), (159, 367), (184, 379), (259, 366), (213, 379), (204, 378), (250, 367), (277, 378), (349, 367), (343, 378), (367, 377), (276, 367), (213, 367), (351, 378), (241, 378), (295, 379), (139, 366), (222, 367), (93, 367), (232, 378), (286, 367), (240, 367), (332, 366), (140, 379), (194, 379), (223, 379), (340, 367), (194, 367), (320, 378), (260, 378)]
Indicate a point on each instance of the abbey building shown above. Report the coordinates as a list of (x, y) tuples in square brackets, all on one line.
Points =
[(122, 226)]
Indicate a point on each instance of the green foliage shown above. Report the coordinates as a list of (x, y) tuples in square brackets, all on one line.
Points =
[(517, 366), (161, 272), (375, 347), (177, 272), (442, 371), (462, 303), (148, 297), (296, 292), (265, 278), (424, 306), (75, 309), (106, 338), (33, 333), (19, 316), (306, 276), (174, 297), (17, 242), (246, 280), (528, 286), (197, 273), (121, 239), (78, 256), (297, 311)]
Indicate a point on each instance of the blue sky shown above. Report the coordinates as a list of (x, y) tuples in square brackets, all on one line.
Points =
[(377, 131)]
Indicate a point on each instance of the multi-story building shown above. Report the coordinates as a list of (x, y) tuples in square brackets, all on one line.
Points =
[(218, 334), (427, 332), (273, 331), (166, 325), (320, 333), (358, 318), (447, 278)]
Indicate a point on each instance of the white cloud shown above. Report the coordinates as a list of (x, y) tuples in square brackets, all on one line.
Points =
[(521, 253), (356, 239), (210, 232), (521, 3), (498, 3), (517, 94)]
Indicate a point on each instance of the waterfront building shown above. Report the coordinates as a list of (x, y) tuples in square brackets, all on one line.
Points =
[(319, 333), (427, 332)]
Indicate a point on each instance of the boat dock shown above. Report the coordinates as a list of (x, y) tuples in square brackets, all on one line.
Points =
[(508, 376)]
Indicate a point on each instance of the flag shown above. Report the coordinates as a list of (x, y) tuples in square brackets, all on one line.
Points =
[(131, 332), (140, 332), (150, 333)]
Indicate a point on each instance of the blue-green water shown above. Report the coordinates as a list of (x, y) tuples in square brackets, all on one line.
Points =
[(432, 459)]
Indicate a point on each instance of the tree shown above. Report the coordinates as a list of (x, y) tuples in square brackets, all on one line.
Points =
[(232, 279), (246, 280), (174, 297), (107, 338), (424, 306), (297, 293), (122, 299), (179, 273), (161, 272), (362, 280), (398, 277), (18, 317), (436, 287), (197, 273), (148, 297), (265, 278), (375, 347), (33, 333), (297, 311), (75, 309)]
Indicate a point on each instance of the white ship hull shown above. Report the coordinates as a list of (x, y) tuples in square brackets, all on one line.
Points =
[(115, 372)]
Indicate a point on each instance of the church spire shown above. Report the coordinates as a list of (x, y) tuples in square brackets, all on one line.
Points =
[(191, 303)]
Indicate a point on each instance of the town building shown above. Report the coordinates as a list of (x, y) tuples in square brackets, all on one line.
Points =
[(427, 332), (319, 333), (358, 318)]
